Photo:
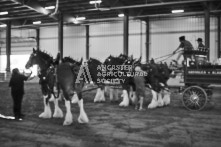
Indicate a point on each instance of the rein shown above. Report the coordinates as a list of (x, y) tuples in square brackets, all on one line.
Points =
[(168, 56)]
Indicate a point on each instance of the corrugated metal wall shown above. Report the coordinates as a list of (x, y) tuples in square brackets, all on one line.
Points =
[(165, 33), (107, 38), (137, 39), (75, 42), (21, 41), (49, 40)]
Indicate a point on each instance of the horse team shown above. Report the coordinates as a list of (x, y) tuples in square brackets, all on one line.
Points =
[(63, 78)]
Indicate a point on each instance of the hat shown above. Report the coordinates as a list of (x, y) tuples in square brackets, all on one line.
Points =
[(181, 38), (200, 40)]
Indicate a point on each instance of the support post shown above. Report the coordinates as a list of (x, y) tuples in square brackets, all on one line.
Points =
[(126, 34), (207, 28), (37, 38), (147, 39), (60, 35), (8, 46), (219, 39), (87, 42)]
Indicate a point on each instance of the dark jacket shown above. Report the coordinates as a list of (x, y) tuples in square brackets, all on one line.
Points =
[(17, 83), (186, 45)]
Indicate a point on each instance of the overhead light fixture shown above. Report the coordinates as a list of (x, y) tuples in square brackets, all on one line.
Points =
[(121, 15), (50, 7), (80, 18), (95, 2), (177, 11), (3, 25), (4, 13), (76, 21), (37, 22)]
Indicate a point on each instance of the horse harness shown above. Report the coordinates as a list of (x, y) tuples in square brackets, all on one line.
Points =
[(45, 79)]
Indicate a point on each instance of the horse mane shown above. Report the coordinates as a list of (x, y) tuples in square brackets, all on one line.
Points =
[(71, 60), (68, 59), (45, 55), (94, 60)]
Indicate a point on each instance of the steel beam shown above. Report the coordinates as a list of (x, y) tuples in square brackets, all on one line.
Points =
[(38, 38), (87, 42), (207, 28), (60, 35), (35, 5), (147, 39), (219, 38), (8, 46), (149, 5), (126, 34)]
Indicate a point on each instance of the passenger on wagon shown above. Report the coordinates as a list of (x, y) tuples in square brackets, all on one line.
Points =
[(200, 44), (17, 91)]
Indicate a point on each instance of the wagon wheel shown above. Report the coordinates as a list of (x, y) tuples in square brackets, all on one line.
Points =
[(194, 98)]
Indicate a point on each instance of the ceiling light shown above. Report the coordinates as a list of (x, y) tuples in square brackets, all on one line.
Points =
[(50, 7), (80, 18), (37, 22), (121, 15), (75, 21), (177, 11), (95, 2), (4, 13), (3, 25)]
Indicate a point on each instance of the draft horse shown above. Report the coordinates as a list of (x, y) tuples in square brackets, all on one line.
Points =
[(47, 79), (64, 78)]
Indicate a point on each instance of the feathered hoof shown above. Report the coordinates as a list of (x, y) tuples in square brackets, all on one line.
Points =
[(58, 114), (152, 106), (142, 109), (45, 115), (67, 122), (123, 104), (83, 120), (160, 105)]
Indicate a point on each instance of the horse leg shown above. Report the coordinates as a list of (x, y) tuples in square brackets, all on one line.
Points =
[(166, 98), (132, 95), (154, 102), (83, 116), (141, 103), (125, 101), (47, 109), (116, 94), (160, 100), (98, 95), (75, 98), (102, 94), (68, 117), (57, 110), (111, 94)]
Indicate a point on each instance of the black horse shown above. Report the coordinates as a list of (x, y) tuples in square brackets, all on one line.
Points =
[(156, 79), (47, 80), (120, 74)]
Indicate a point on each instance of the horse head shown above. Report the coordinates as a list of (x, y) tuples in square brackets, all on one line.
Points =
[(32, 59), (40, 58)]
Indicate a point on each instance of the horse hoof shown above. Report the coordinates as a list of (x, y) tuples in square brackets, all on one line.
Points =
[(142, 109), (43, 115), (58, 115), (151, 107), (82, 121), (67, 123)]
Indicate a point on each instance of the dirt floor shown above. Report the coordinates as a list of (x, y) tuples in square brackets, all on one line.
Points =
[(110, 125)]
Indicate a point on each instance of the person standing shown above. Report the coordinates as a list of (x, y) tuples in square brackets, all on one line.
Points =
[(17, 91)]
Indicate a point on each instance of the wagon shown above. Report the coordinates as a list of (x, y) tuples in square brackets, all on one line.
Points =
[(198, 76)]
